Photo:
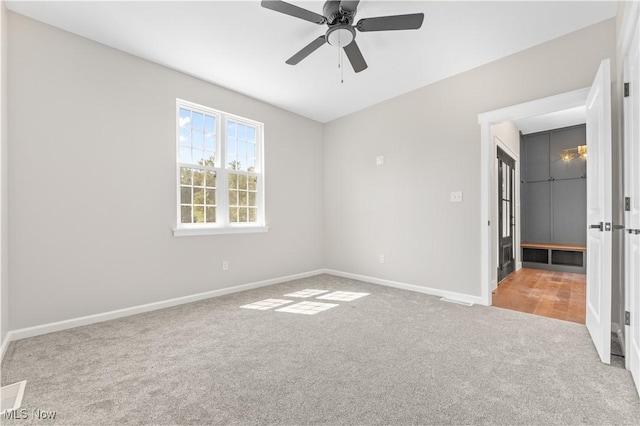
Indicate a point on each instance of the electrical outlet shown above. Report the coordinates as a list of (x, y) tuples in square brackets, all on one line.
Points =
[(225, 265), (379, 160), (382, 258), (456, 197)]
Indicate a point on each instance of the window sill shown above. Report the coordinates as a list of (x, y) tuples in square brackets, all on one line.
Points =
[(186, 232)]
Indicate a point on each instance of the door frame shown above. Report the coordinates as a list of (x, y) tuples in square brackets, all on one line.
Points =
[(488, 180)]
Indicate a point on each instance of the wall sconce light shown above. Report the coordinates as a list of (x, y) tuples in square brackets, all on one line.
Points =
[(570, 153)]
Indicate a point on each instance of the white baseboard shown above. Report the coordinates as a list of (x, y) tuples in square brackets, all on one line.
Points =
[(38, 330), (461, 297)]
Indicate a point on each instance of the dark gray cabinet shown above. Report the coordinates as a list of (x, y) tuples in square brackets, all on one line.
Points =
[(553, 194), (537, 151), (538, 220)]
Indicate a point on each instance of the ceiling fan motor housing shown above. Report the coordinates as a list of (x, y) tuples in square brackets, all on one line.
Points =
[(336, 15)]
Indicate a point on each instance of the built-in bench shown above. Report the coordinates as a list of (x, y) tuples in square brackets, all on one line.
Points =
[(554, 257)]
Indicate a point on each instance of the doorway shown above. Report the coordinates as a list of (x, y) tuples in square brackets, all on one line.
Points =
[(506, 214), (597, 100)]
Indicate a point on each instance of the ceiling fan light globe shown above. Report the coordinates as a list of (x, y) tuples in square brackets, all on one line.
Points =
[(340, 36)]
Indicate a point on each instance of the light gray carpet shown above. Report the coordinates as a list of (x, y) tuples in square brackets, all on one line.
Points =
[(393, 357)]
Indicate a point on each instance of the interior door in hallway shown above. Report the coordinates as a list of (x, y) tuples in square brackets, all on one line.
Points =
[(599, 189), (506, 214)]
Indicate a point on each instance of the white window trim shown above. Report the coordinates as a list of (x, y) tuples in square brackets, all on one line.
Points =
[(223, 226)]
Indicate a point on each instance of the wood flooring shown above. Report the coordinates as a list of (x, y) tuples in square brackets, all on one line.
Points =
[(559, 295)]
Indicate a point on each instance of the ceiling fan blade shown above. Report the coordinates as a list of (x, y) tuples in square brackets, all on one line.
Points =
[(349, 6), (307, 50), (292, 10), (388, 23), (355, 57)]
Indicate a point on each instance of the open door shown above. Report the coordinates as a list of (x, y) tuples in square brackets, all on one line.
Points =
[(599, 212), (632, 206), (506, 214)]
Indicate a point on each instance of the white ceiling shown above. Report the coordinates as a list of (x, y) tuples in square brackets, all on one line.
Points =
[(242, 46)]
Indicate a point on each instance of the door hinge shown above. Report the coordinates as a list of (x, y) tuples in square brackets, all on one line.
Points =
[(627, 318), (633, 231), (626, 90), (627, 204), (607, 226)]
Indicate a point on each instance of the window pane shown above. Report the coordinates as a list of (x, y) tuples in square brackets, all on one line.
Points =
[(209, 141), (242, 149), (251, 165), (209, 159), (253, 215), (184, 120), (210, 179), (185, 176), (251, 134), (242, 198), (231, 129), (198, 195), (185, 155), (233, 198), (232, 163), (242, 181), (233, 214), (242, 131), (243, 215), (197, 139), (251, 150), (185, 195), (233, 181), (252, 199), (210, 197), (197, 120), (231, 146), (185, 137), (253, 181), (198, 156), (210, 214), (198, 214), (209, 124), (185, 214), (198, 178)]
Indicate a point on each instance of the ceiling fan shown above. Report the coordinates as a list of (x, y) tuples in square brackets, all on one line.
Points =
[(339, 17)]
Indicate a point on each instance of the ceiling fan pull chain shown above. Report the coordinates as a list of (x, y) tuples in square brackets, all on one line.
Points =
[(340, 59)]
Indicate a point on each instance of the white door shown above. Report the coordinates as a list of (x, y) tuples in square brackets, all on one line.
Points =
[(599, 212), (632, 219)]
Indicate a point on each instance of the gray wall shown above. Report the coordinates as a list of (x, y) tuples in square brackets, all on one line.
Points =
[(431, 141), (92, 183), (4, 222)]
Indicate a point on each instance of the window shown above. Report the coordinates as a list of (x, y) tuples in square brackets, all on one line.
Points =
[(220, 172)]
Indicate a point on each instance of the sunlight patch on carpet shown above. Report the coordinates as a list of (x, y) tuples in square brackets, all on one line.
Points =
[(263, 305), (343, 296), (307, 308), (308, 292)]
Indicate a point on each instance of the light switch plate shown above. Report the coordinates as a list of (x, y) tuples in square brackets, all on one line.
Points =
[(456, 197), (379, 160)]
